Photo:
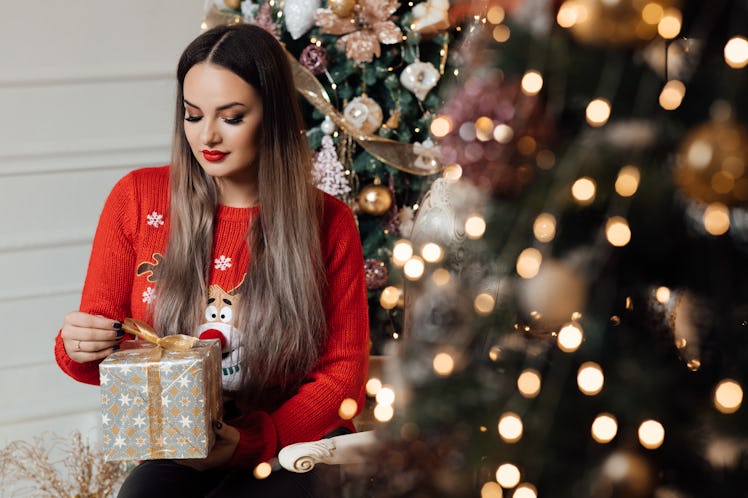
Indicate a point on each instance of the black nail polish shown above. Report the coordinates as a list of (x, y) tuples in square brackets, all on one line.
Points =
[(115, 347), (117, 325), (120, 333)]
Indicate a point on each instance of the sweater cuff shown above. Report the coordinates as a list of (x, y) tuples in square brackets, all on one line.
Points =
[(258, 441), (82, 372)]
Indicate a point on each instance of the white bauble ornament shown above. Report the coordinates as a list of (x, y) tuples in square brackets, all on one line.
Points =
[(327, 126), (364, 113), (431, 16), (419, 77), (299, 16)]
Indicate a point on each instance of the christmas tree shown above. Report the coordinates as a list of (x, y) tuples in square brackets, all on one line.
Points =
[(368, 74), (579, 324)]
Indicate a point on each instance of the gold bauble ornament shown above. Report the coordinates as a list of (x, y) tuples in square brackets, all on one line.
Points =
[(375, 199), (233, 4), (619, 23), (364, 113), (712, 163), (625, 474), (341, 8)]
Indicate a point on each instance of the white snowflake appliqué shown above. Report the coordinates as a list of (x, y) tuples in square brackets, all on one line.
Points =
[(149, 295), (155, 219), (223, 263)]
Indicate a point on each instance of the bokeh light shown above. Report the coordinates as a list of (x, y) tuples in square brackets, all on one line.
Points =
[(604, 428), (510, 427), (651, 434), (529, 383), (570, 337), (728, 396), (528, 262), (590, 378), (508, 475)]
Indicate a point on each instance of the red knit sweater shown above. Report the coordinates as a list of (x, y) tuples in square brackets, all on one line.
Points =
[(130, 239)]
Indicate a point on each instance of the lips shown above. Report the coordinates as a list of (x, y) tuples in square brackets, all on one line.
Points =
[(214, 155)]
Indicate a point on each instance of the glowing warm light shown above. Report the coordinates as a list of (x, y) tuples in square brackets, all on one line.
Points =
[(384, 413), (617, 231), (443, 364), (716, 219), (385, 396), (525, 490), (736, 52), (672, 95), (484, 303), (495, 14), (528, 262), (529, 383), (402, 251), (526, 145), (441, 277), (441, 126), (590, 378), (570, 13), (484, 128), (598, 112), (532, 82), (652, 13), (501, 33), (694, 365), (373, 386), (431, 252), (662, 294), (510, 427), (651, 434), (627, 182), (728, 396), (508, 475), (494, 353), (604, 428), (670, 24), (390, 297), (414, 268), (570, 337), (491, 490), (503, 133), (583, 190), (348, 409), (544, 227), (452, 173), (263, 470), (475, 227)]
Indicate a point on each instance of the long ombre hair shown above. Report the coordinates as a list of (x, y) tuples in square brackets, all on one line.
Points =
[(281, 315)]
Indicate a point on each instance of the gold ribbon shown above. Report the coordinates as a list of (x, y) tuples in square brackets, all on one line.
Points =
[(406, 157), (178, 342)]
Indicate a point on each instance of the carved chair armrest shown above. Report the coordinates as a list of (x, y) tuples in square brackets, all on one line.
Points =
[(338, 450)]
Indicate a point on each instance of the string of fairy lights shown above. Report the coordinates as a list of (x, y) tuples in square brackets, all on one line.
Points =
[(665, 20)]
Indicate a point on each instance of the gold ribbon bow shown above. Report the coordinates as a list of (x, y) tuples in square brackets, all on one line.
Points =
[(177, 342), (403, 156)]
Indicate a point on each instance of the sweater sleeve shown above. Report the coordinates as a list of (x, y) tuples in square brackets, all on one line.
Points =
[(341, 371), (108, 284)]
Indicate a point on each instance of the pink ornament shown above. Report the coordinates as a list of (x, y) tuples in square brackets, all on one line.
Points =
[(315, 59), (376, 274)]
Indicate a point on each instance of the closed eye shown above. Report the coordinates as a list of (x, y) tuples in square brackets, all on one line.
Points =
[(234, 121), (192, 119)]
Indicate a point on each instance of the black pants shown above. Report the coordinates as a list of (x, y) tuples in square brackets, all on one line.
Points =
[(162, 478)]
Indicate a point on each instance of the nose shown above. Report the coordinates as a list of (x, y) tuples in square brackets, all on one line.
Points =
[(209, 135)]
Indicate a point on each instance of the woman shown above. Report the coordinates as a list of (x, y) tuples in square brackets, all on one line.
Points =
[(231, 241)]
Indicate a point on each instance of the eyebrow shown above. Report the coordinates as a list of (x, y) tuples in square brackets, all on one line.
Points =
[(220, 108)]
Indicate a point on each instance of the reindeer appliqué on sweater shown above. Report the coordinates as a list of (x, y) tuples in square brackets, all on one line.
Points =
[(218, 323)]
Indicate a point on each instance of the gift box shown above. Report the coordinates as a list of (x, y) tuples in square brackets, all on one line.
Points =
[(158, 403)]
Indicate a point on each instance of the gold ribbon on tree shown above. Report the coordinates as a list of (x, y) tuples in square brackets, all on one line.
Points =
[(410, 158)]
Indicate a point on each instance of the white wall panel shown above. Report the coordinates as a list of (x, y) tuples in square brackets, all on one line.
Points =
[(86, 92)]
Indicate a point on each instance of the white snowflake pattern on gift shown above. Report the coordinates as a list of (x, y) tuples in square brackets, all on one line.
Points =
[(149, 295), (223, 263), (155, 219)]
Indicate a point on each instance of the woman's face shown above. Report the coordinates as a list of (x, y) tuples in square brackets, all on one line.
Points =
[(222, 114)]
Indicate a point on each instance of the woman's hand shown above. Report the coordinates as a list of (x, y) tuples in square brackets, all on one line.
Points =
[(89, 337), (227, 438)]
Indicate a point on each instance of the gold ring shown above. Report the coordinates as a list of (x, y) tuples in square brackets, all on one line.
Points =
[(78, 346)]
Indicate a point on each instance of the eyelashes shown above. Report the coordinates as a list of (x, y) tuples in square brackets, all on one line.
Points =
[(231, 121)]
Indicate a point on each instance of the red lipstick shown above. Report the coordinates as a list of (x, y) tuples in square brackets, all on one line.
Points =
[(214, 155)]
